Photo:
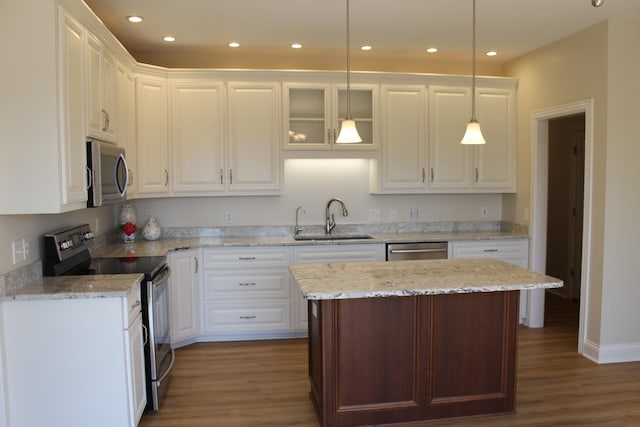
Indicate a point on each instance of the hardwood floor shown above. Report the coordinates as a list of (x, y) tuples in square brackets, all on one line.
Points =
[(264, 383)]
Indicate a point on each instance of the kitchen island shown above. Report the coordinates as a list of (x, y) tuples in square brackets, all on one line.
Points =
[(413, 340)]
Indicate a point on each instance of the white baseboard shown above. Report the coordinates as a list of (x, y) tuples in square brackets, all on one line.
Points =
[(617, 353)]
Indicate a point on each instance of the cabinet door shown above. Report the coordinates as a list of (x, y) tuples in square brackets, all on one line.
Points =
[(136, 370), (197, 136), (184, 284), (450, 163), (254, 132), (313, 115), (403, 138), (306, 112), (126, 131), (495, 161), (101, 102), (151, 137), (73, 156), (364, 100)]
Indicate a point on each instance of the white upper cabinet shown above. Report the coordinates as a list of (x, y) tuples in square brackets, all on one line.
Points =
[(421, 149), (495, 162), (101, 91), (402, 163), (197, 137), (73, 146), (313, 114), (126, 131), (253, 138), (488, 168), (450, 163), (152, 156), (43, 166)]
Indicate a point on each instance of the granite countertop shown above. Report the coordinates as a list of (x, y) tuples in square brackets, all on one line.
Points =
[(406, 278), (162, 246), (112, 285), (75, 287)]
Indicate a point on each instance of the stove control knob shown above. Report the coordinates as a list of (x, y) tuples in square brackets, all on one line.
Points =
[(88, 235), (66, 244)]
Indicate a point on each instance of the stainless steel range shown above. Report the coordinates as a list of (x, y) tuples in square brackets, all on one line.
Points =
[(67, 253)]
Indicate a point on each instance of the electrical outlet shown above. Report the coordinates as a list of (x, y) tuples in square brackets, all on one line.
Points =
[(393, 215), (18, 251), (228, 219), (413, 214), (484, 212), (374, 215), (525, 215)]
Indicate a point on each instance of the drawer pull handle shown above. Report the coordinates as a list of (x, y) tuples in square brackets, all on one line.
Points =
[(248, 317), (246, 258), (490, 250), (247, 284)]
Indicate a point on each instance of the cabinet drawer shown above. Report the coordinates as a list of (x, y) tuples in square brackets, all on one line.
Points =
[(248, 316), (255, 257), (339, 253), (513, 251), (251, 283)]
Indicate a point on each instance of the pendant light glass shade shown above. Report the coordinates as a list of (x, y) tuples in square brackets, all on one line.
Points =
[(473, 135), (348, 131)]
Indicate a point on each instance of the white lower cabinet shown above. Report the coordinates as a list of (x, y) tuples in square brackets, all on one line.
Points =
[(246, 293), (90, 352), (184, 286), (514, 251), (326, 253)]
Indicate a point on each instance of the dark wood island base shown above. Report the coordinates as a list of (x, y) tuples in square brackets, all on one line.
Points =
[(409, 358)]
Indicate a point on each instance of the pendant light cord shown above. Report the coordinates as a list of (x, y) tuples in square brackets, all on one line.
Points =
[(473, 67), (349, 66)]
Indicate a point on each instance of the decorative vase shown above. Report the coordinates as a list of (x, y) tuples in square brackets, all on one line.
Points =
[(152, 229), (127, 214), (129, 238)]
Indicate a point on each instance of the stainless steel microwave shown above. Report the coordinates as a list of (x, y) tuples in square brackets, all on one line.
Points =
[(108, 173)]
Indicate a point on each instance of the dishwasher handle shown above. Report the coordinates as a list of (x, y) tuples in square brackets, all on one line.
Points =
[(415, 251)]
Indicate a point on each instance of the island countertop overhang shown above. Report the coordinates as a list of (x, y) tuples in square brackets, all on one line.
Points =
[(337, 280)]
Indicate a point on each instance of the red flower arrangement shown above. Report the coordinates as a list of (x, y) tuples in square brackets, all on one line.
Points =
[(129, 228)]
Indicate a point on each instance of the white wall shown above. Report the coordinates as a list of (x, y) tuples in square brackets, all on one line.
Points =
[(621, 270), (32, 227), (598, 63), (310, 183)]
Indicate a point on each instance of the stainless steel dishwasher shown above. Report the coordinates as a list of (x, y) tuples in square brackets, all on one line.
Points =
[(420, 250)]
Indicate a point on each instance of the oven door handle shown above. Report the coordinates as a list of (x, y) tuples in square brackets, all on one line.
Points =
[(162, 276), (169, 368)]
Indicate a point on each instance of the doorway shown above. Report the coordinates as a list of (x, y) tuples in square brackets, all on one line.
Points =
[(565, 198), (540, 202)]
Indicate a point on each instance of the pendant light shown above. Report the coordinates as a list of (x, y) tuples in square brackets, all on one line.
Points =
[(348, 132), (473, 135)]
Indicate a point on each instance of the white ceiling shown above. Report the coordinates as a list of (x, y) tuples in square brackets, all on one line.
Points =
[(398, 30)]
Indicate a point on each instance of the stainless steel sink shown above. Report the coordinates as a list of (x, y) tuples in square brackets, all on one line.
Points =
[(333, 237)]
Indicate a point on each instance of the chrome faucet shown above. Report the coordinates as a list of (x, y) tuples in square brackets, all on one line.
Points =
[(330, 221), (298, 229)]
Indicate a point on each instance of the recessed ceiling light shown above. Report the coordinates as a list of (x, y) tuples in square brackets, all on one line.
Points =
[(492, 53), (432, 50), (134, 18), (234, 44), (169, 38), (296, 46), (366, 47)]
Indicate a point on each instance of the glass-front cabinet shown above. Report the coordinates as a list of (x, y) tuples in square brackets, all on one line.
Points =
[(314, 112)]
